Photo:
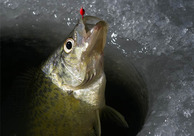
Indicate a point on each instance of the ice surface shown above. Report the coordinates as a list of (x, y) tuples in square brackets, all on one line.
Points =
[(157, 36)]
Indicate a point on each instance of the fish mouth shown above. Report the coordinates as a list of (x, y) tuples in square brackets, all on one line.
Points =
[(95, 34)]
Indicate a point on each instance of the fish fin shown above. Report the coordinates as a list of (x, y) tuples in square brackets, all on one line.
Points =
[(98, 124), (112, 114), (27, 79)]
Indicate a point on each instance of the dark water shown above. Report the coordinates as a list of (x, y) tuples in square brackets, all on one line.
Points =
[(125, 89)]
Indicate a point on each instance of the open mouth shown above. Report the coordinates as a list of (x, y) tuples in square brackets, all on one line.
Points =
[(95, 30)]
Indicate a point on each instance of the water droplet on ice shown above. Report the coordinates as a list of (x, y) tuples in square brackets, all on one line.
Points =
[(55, 15), (35, 12)]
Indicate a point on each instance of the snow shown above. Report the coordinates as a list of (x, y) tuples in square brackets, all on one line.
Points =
[(156, 36)]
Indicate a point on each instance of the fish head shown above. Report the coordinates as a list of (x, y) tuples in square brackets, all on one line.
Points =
[(80, 58)]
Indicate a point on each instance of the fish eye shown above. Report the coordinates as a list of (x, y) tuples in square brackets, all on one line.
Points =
[(68, 45)]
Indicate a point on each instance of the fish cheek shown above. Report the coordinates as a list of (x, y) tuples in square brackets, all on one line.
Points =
[(71, 59)]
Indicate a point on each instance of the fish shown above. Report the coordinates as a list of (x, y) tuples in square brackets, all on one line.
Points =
[(66, 95)]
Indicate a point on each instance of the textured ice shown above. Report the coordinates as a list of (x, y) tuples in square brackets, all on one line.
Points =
[(157, 36)]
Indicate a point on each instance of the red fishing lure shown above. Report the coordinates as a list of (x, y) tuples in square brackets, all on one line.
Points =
[(82, 12)]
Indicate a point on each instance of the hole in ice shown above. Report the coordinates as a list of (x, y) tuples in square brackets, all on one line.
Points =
[(125, 88)]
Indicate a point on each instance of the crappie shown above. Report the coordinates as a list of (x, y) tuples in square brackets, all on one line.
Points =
[(65, 96)]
